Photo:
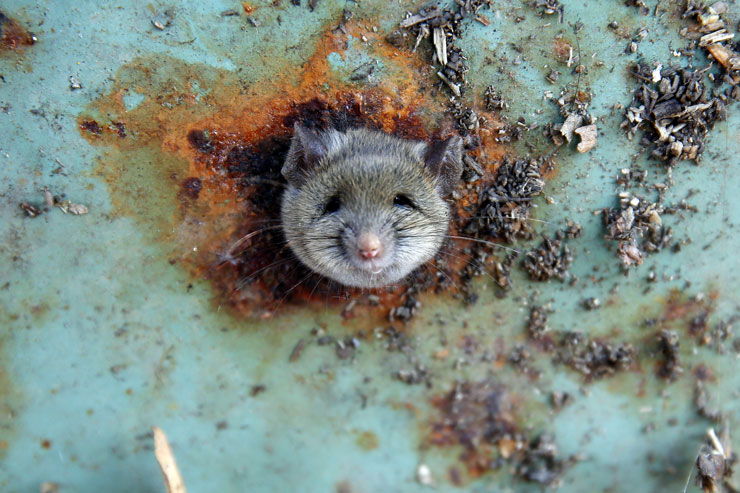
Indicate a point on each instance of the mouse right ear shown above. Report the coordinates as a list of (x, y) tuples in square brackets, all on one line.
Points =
[(444, 161), (307, 149)]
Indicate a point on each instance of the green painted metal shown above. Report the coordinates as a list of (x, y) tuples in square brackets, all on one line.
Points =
[(101, 337)]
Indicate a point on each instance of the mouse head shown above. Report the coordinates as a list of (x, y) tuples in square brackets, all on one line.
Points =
[(364, 208)]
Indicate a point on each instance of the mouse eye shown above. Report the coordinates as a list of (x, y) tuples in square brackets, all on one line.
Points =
[(332, 205), (402, 200)]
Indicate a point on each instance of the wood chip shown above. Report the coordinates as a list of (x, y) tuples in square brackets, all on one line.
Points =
[(725, 56), (440, 44), (571, 123), (166, 459), (483, 19), (715, 37), (418, 19), (455, 88), (588, 135)]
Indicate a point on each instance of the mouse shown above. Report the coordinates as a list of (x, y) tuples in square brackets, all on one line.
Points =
[(365, 208)]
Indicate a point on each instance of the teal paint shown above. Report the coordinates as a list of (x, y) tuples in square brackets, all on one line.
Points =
[(101, 339)]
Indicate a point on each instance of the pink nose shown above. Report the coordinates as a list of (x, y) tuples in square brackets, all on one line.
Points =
[(369, 246)]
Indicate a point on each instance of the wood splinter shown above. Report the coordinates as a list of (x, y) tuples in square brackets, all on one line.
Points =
[(166, 459)]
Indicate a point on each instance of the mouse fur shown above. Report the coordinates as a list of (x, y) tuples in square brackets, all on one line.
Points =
[(365, 208)]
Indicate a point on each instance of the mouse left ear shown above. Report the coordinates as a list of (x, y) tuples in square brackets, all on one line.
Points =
[(307, 149), (444, 160)]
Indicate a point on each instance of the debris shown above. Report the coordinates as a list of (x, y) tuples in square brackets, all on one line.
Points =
[(550, 7), (504, 207), (593, 358), (483, 20), (494, 100), (591, 303), (551, 259), (30, 210), (440, 45), (49, 487), (572, 122), (67, 206), (167, 465), (668, 343), (163, 20), (74, 84), (444, 26), (424, 475), (628, 225), (480, 417), (257, 390), (587, 134), (540, 463), (229, 13), (297, 351), (559, 400), (676, 111), (715, 463), (703, 400), (48, 197), (363, 73), (406, 311), (455, 88), (537, 324)]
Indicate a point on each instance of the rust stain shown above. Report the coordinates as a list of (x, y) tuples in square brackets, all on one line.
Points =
[(13, 36), (367, 440), (562, 49), (10, 403), (202, 171), (479, 417), (679, 306)]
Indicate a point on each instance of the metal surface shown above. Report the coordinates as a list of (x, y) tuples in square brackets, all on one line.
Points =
[(106, 331)]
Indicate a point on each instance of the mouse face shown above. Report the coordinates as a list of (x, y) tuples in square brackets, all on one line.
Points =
[(364, 208)]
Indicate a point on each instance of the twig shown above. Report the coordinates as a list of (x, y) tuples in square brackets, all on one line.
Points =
[(162, 451)]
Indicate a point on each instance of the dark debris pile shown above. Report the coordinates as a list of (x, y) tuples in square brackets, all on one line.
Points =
[(715, 464), (675, 107), (444, 26), (537, 323), (504, 207), (675, 110), (593, 358), (552, 259), (637, 226), (670, 367)]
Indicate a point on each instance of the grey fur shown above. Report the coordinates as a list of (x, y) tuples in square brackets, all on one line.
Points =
[(366, 169)]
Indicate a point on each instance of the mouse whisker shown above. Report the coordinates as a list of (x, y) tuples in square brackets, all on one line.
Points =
[(242, 283), (230, 250), (512, 217), (484, 268), (310, 273), (256, 180), (484, 242), (430, 263)]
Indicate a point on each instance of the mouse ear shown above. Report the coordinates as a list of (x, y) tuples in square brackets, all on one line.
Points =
[(306, 151), (444, 160)]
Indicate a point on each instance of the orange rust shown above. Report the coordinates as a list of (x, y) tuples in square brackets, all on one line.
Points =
[(679, 307), (248, 8), (189, 153), (13, 36)]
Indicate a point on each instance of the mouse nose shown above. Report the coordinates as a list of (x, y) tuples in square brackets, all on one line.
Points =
[(369, 246)]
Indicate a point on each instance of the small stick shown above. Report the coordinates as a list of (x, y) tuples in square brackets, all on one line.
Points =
[(162, 451), (716, 443)]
